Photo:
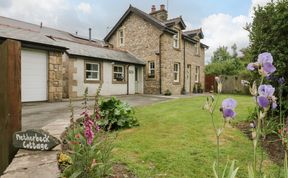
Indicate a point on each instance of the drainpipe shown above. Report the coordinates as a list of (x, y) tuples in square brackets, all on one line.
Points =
[(128, 79), (184, 69), (160, 63)]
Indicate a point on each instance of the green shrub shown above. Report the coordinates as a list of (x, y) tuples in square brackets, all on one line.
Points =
[(167, 93), (116, 115)]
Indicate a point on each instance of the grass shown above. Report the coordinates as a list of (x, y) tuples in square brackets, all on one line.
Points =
[(176, 139)]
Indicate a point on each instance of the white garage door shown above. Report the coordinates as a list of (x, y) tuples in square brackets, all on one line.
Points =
[(34, 75)]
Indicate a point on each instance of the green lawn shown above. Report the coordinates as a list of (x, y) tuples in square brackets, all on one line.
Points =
[(176, 139)]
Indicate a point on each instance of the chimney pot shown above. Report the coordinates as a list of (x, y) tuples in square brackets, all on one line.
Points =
[(153, 8), (162, 7), (90, 34)]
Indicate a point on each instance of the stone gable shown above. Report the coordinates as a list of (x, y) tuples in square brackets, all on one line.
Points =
[(149, 43)]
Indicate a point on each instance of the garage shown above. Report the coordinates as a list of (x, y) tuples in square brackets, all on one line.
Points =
[(34, 75)]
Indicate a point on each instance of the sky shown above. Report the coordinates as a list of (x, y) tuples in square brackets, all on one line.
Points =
[(222, 21)]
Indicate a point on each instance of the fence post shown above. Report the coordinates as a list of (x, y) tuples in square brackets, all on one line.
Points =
[(10, 99)]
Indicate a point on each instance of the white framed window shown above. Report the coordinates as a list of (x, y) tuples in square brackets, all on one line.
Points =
[(176, 40), (151, 69), (197, 74), (118, 73), (92, 71), (121, 37), (176, 72)]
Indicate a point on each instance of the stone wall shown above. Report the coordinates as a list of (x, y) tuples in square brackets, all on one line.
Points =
[(55, 76), (142, 40), (170, 56), (195, 60)]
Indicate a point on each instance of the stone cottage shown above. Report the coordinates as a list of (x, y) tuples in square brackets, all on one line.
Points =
[(174, 57)]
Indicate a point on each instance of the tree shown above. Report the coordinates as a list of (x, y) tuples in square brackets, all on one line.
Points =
[(221, 54), (223, 63), (234, 50)]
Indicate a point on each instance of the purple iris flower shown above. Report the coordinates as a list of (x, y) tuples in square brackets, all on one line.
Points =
[(251, 66), (266, 98), (228, 106), (268, 68), (263, 101), (228, 113), (229, 103), (264, 64), (265, 58), (266, 90)]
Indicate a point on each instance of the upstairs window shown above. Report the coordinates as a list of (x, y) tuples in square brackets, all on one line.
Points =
[(176, 72), (176, 40), (197, 74), (118, 73), (121, 37), (92, 71), (151, 69)]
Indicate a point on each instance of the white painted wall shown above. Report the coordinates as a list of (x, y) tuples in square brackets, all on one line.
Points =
[(107, 88)]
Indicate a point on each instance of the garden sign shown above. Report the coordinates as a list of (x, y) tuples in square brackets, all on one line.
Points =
[(34, 140)]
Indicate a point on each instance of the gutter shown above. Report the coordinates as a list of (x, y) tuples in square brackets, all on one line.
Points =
[(184, 69)]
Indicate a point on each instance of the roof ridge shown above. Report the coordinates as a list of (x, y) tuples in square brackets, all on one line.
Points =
[(87, 44), (30, 23)]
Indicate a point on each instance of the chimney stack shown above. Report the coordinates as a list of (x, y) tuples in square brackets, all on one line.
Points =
[(162, 7), (90, 34), (160, 14), (153, 8)]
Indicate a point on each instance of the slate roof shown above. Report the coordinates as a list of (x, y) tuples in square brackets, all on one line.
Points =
[(74, 45), (195, 32), (176, 20), (77, 49)]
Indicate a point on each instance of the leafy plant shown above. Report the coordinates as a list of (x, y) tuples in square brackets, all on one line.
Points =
[(232, 171), (116, 115)]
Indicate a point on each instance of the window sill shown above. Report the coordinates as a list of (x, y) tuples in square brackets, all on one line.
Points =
[(119, 82), (177, 49), (92, 81), (176, 83)]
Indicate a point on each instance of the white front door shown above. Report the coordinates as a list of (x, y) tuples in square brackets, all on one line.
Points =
[(188, 79), (34, 75)]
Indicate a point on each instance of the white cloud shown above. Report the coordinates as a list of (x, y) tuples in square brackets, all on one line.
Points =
[(225, 30), (84, 7)]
